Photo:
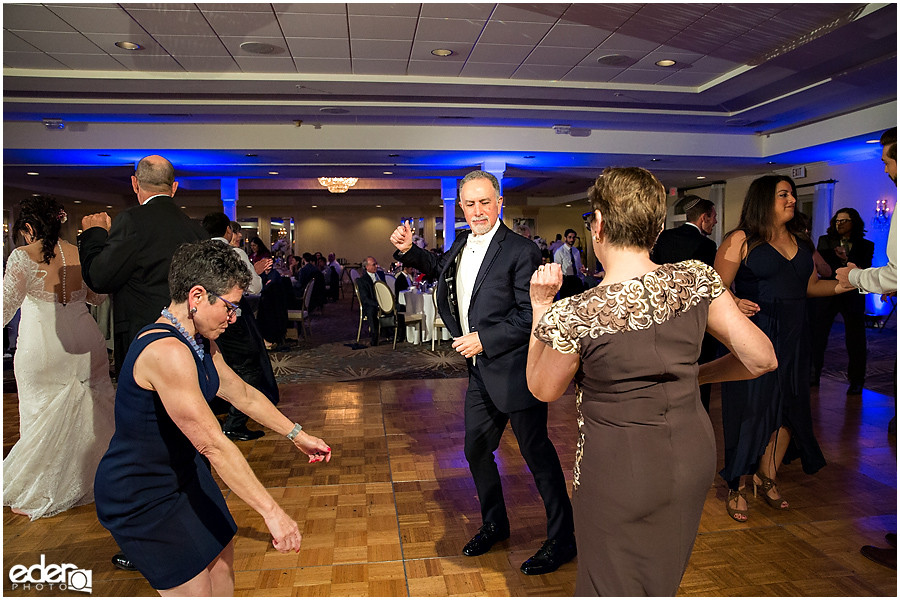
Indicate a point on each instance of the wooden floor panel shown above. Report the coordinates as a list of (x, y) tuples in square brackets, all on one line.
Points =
[(389, 515)]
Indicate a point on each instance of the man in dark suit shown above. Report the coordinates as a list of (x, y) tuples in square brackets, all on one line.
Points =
[(130, 258), (691, 242), (482, 295), (366, 285)]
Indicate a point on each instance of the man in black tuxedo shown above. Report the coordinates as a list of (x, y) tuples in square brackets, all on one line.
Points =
[(130, 258), (691, 242), (366, 285), (482, 296)]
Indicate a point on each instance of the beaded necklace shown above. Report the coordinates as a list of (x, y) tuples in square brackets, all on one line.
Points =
[(191, 340)]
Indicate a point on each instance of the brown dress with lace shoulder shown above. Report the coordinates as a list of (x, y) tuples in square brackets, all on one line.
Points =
[(646, 454)]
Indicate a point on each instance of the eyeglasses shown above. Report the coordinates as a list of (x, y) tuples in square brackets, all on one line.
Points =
[(588, 219), (233, 309), (839, 221)]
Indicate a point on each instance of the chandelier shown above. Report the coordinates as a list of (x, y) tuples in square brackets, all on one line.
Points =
[(338, 185)]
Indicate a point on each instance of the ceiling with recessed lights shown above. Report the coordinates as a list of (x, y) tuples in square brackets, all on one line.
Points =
[(401, 95)]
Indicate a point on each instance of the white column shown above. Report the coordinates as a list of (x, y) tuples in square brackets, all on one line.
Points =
[(229, 193), (448, 196)]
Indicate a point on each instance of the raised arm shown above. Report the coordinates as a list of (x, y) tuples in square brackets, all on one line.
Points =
[(108, 253), (548, 370), (751, 350)]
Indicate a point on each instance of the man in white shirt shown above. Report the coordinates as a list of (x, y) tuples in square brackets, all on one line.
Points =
[(568, 257), (482, 297)]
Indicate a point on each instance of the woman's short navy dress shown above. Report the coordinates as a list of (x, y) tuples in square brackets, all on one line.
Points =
[(154, 492)]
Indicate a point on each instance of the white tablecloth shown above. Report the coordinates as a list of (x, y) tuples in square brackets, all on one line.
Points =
[(418, 303)]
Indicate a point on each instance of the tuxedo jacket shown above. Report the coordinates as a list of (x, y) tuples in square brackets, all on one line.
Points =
[(367, 289), (132, 260), (860, 254), (500, 308), (683, 243)]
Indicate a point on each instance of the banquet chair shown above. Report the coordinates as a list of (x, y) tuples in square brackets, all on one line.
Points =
[(387, 307), (300, 318), (438, 322), (354, 275), (391, 281)]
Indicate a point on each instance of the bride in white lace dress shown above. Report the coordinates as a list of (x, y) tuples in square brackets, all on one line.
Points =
[(62, 370)]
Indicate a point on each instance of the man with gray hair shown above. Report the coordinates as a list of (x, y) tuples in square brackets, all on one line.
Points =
[(482, 297)]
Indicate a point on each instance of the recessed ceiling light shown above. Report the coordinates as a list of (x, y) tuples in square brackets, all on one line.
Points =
[(183, 207), (273, 172), (771, 162), (250, 155), (388, 172), (614, 60), (77, 201), (315, 206), (568, 206), (109, 206), (377, 206), (529, 156), (129, 46), (257, 48), (32, 173), (248, 206), (700, 177), (654, 160), (442, 52), (665, 63), (872, 141)]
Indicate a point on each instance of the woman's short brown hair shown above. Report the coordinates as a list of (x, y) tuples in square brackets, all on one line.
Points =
[(632, 202)]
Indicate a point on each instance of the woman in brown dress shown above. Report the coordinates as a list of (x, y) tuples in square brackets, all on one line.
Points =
[(646, 456)]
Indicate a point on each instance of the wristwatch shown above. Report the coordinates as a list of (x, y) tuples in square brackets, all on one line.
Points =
[(297, 428)]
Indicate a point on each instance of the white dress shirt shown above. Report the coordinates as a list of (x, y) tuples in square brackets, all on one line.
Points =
[(255, 286), (472, 255), (879, 280), (569, 259)]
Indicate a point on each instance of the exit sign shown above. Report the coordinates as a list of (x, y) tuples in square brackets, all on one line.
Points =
[(798, 172)]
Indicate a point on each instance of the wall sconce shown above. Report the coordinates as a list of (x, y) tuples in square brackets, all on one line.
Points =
[(882, 213)]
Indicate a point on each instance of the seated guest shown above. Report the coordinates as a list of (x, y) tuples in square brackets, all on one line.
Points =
[(154, 490), (334, 264), (258, 250), (366, 285), (310, 272), (293, 265)]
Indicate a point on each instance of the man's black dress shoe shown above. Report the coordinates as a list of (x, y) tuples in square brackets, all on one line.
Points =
[(242, 434), (487, 536), (855, 389), (891, 538), (552, 555), (886, 557), (120, 561)]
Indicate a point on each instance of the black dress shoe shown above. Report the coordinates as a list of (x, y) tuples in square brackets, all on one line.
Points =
[(891, 538), (886, 557), (487, 536), (552, 555), (855, 389), (120, 561), (242, 434)]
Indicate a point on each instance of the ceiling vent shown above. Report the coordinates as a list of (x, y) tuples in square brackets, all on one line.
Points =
[(257, 48), (333, 110), (615, 60)]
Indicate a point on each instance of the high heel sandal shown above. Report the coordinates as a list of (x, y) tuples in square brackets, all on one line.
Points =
[(734, 495), (767, 485)]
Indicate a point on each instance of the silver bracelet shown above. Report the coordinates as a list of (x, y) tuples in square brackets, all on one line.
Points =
[(294, 432)]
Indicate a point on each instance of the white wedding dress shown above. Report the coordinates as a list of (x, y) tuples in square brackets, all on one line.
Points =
[(66, 399)]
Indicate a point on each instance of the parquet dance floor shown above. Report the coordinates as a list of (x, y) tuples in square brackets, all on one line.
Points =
[(389, 515)]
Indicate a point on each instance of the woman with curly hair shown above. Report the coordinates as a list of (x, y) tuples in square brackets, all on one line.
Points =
[(61, 367), (843, 243)]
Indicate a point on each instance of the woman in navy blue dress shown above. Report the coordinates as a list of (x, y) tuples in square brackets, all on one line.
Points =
[(768, 420), (154, 490)]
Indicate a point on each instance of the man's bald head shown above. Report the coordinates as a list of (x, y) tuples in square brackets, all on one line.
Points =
[(155, 174)]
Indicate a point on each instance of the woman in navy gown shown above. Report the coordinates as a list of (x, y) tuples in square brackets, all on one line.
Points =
[(767, 420), (154, 490)]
